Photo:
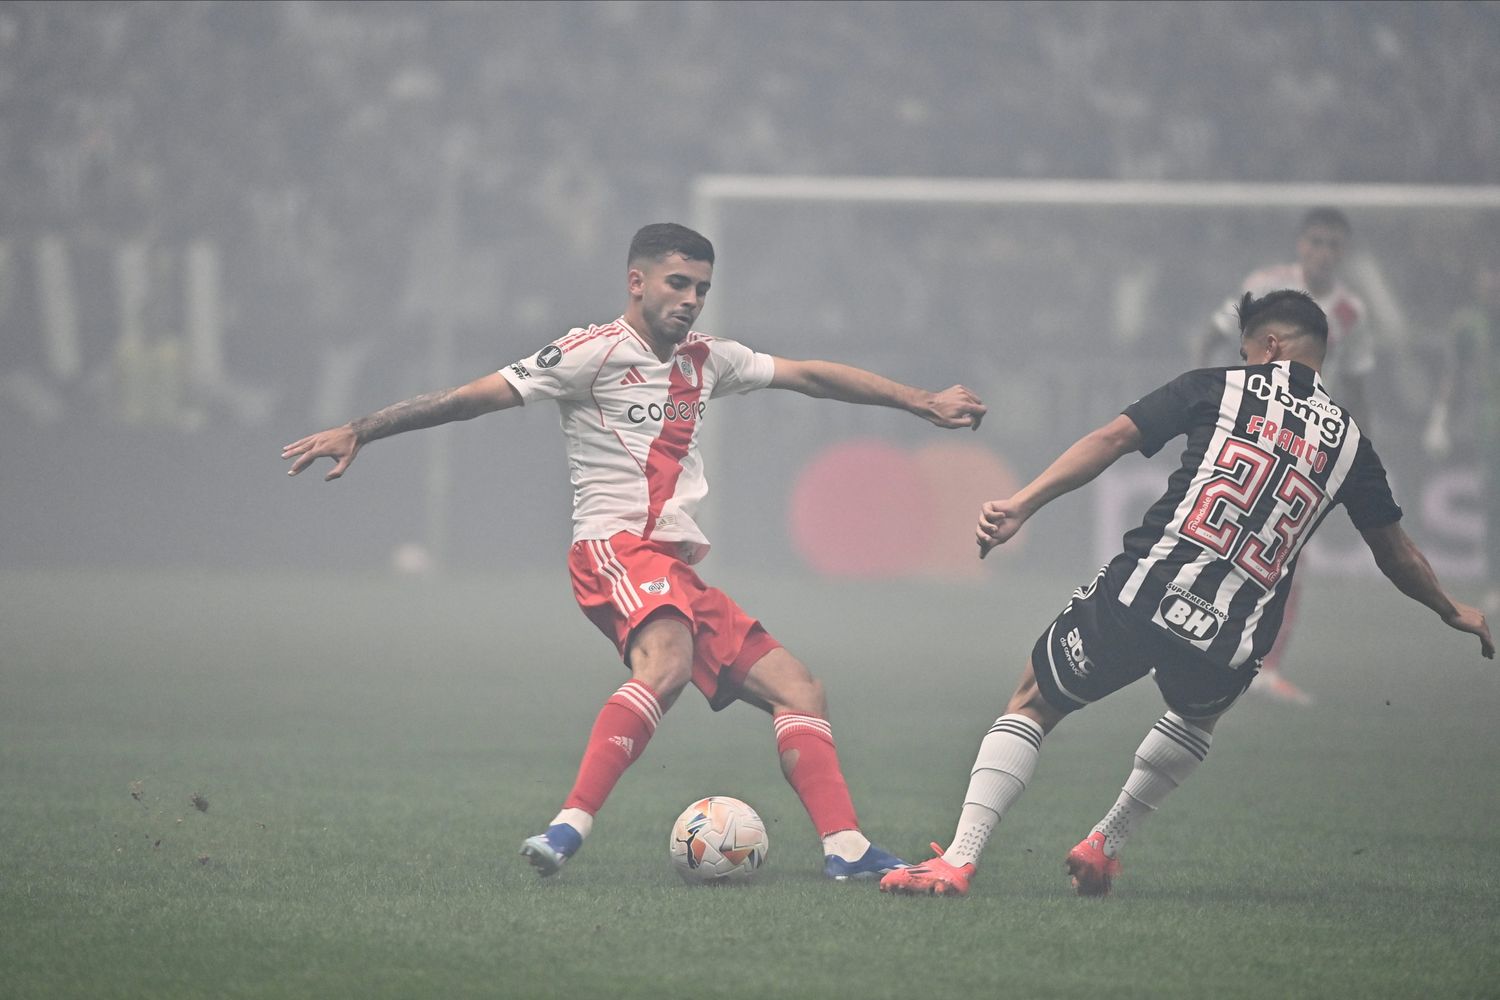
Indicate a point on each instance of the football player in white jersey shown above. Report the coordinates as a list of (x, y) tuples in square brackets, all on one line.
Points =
[(632, 395), (1194, 598), (1322, 240)]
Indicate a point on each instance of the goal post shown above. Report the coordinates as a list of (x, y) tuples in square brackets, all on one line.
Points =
[(710, 191)]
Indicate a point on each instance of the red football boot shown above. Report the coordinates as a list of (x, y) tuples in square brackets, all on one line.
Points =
[(1092, 870), (931, 878)]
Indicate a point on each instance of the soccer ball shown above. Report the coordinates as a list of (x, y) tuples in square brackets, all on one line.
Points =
[(718, 839)]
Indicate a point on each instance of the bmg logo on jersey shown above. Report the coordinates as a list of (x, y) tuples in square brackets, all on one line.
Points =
[(1327, 417), (1194, 623)]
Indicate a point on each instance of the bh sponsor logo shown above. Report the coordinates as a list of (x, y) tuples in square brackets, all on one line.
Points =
[(657, 586), (1194, 623)]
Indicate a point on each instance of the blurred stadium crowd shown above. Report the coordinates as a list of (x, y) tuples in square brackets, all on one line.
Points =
[(341, 177)]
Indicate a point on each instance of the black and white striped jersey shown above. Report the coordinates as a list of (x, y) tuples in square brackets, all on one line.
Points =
[(1268, 456)]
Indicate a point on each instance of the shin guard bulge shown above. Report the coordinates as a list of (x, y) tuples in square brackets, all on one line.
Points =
[(620, 734), (815, 774)]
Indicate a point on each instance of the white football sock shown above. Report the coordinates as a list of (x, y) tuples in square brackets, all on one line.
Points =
[(1005, 763), (850, 845), (577, 819), (1171, 751)]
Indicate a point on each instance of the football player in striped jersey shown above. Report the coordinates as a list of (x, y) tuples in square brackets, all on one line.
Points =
[(1196, 596), (633, 394)]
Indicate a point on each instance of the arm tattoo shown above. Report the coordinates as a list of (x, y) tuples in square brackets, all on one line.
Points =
[(427, 410)]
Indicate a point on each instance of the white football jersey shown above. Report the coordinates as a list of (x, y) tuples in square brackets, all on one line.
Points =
[(1350, 351), (631, 422)]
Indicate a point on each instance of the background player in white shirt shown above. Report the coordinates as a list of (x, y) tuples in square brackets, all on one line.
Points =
[(1195, 596), (632, 395), (1322, 240)]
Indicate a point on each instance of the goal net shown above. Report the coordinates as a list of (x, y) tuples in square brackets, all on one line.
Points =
[(1059, 302)]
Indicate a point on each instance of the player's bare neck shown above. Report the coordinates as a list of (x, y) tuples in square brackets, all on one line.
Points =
[(663, 349), (1316, 364)]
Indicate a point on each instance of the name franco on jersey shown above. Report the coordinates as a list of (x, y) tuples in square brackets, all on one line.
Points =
[(1269, 455)]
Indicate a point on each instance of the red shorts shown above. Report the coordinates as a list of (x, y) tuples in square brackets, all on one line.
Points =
[(622, 581)]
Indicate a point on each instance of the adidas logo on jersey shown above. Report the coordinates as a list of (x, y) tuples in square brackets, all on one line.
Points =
[(658, 586), (624, 743), (633, 376)]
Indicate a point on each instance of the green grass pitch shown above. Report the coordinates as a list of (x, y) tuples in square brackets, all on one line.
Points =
[(372, 752)]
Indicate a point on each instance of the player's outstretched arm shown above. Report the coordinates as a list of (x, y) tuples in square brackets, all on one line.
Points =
[(999, 520), (1404, 565), (955, 406), (483, 395)]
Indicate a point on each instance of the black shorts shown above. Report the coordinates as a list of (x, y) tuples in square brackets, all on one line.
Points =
[(1096, 647)]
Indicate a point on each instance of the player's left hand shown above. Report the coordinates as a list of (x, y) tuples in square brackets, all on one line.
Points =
[(1471, 620), (999, 520), (956, 406)]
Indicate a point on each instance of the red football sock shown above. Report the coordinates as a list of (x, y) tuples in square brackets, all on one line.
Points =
[(619, 736), (816, 776)]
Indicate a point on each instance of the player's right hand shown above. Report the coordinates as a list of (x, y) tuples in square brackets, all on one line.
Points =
[(338, 443), (999, 520), (957, 406)]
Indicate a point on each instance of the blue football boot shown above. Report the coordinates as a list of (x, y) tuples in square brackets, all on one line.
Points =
[(547, 851), (872, 864)]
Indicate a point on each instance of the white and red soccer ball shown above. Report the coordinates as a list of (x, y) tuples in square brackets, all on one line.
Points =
[(718, 839)]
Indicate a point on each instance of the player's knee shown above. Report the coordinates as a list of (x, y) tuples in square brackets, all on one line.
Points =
[(803, 694), (1029, 701), (661, 656), (814, 696), (798, 690), (781, 683), (665, 677)]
